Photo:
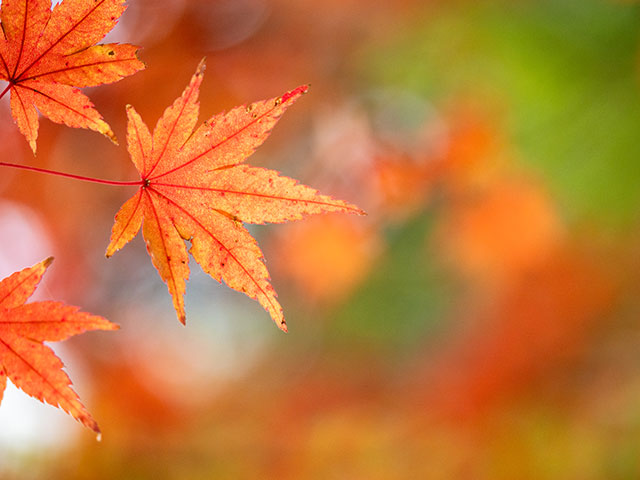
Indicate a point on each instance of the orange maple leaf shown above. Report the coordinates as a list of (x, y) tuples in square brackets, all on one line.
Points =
[(45, 54), (29, 364), (195, 187)]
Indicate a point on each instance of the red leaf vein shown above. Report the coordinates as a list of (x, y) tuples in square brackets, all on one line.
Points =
[(235, 134), (215, 239), (76, 25), (255, 194)]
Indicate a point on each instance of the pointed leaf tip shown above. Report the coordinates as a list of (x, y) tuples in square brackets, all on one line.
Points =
[(302, 89), (111, 136), (202, 66), (47, 261), (359, 211)]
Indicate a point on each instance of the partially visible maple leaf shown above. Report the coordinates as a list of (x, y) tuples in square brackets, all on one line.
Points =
[(29, 364), (45, 54), (194, 187)]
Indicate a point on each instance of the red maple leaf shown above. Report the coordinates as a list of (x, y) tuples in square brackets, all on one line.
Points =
[(24, 359), (45, 55), (195, 187)]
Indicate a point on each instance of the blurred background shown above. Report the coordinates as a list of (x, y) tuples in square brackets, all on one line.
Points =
[(482, 322)]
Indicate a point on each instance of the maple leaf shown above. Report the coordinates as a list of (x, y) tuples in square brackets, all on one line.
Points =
[(24, 359), (195, 187), (45, 55)]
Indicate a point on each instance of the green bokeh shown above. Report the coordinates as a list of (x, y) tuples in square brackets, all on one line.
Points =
[(565, 72)]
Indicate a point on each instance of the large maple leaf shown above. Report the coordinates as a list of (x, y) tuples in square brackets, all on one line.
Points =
[(195, 187), (45, 55), (24, 359)]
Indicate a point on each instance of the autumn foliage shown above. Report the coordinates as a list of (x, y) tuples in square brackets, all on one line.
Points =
[(24, 359), (195, 187), (479, 322), (46, 55), (193, 184)]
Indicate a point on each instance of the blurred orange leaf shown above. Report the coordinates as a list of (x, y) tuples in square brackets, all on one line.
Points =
[(24, 359), (476, 151), (501, 231), (528, 332), (194, 187), (45, 55), (405, 184), (327, 256)]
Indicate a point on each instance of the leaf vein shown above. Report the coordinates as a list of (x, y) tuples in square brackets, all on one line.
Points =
[(215, 239), (62, 394), (226, 139), (10, 292), (164, 245), (173, 127), (76, 67), (53, 99), (256, 194), (53, 44), (124, 229)]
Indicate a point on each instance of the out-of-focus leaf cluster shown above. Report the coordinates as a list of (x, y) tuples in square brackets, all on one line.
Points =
[(481, 322)]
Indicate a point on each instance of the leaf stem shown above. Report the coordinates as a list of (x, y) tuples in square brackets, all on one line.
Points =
[(70, 175), (8, 87)]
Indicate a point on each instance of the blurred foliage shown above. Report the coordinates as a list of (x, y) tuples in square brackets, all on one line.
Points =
[(565, 72), (481, 322)]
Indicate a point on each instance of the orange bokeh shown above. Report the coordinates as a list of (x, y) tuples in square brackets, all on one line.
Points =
[(326, 257)]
